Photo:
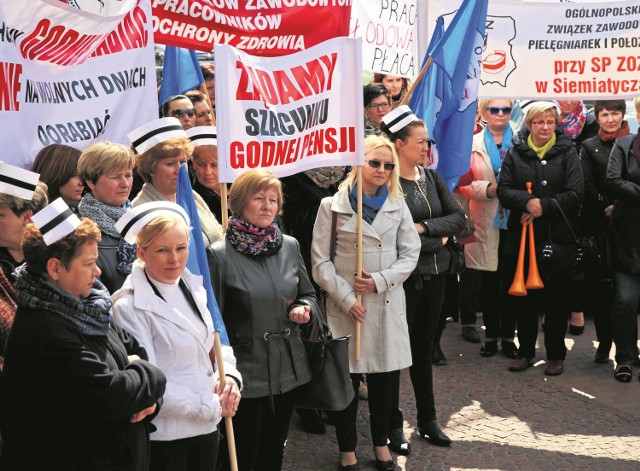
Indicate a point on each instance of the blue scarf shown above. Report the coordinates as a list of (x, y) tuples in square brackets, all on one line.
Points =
[(370, 205), (497, 156)]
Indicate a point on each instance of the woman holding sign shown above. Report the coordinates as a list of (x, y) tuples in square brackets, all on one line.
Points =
[(390, 249)]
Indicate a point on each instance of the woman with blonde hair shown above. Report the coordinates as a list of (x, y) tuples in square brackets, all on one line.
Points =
[(165, 306), (390, 249)]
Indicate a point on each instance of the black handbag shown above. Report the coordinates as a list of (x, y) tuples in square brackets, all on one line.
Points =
[(586, 259), (330, 388), (456, 251)]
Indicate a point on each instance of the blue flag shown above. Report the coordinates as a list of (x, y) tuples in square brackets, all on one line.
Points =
[(448, 99), (180, 72), (197, 261)]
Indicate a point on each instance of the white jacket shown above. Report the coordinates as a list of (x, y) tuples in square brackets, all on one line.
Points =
[(190, 407)]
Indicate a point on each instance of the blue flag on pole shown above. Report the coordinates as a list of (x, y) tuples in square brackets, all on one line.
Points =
[(454, 77), (197, 261), (180, 72)]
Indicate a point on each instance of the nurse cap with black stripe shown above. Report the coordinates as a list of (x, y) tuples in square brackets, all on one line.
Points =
[(136, 218), (16, 181), (55, 221), (203, 136), (399, 118), (154, 132)]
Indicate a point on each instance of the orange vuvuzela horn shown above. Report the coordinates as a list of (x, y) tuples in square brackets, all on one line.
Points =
[(519, 287)]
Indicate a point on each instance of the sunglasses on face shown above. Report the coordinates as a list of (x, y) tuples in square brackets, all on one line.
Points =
[(495, 110), (377, 164), (180, 113)]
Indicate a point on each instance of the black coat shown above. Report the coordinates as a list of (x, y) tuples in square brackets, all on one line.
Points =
[(623, 183), (440, 214), (71, 396), (558, 175), (594, 157), (108, 263)]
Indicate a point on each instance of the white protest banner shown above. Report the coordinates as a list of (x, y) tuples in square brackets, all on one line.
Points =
[(388, 32), (261, 27), (561, 50), (290, 113), (71, 77)]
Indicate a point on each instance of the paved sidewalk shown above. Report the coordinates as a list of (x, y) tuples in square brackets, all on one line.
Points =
[(499, 420)]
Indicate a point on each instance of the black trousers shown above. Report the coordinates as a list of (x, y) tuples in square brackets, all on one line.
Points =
[(188, 454), (380, 387), (553, 301), (260, 434)]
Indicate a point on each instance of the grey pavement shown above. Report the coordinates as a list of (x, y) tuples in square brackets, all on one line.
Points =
[(500, 420)]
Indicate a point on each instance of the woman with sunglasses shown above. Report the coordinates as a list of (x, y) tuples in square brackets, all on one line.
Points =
[(377, 103), (180, 107), (390, 248), (480, 283), (436, 216), (548, 160)]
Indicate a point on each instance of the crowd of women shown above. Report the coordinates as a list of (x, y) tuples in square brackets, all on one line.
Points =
[(110, 360)]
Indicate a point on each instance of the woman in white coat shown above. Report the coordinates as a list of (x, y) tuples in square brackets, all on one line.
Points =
[(390, 246), (482, 278), (165, 305)]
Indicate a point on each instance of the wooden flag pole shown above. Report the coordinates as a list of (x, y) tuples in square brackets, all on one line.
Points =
[(407, 97), (223, 205), (359, 251), (228, 423)]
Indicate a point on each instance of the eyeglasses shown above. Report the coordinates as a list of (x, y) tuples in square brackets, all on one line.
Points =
[(542, 124), (379, 107), (495, 110), (180, 113), (377, 164)]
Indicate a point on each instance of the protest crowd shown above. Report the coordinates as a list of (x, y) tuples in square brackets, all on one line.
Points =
[(103, 311)]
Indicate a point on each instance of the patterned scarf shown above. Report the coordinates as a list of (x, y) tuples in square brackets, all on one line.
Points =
[(324, 177), (370, 205), (612, 136), (92, 315), (253, 240), (106, 216), (573, 123)]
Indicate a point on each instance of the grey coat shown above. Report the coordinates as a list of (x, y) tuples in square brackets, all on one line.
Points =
[(390, 247)]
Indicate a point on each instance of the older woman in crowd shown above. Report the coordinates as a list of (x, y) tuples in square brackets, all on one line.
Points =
[(163, 147), (623, 184), (436, 217), (265, 295), (165, 306), (57, 165), (481, 284), (390, 249), (596, 214), (549, 161), (107, 170), (377, 103), (101, 391)]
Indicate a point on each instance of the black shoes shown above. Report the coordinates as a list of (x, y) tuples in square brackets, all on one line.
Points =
[(509, 349), (470, 333), (623, 373), (576, 329), (437, 356), (398, 442), (384, 465), (432, 432), (349, 467), (489, 349)]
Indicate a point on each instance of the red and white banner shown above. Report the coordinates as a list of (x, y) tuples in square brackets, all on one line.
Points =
[(72, 77), (261, 27), (290, 113), (388, 32)]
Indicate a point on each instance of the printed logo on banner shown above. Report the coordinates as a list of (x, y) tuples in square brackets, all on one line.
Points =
[(497, 60)]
